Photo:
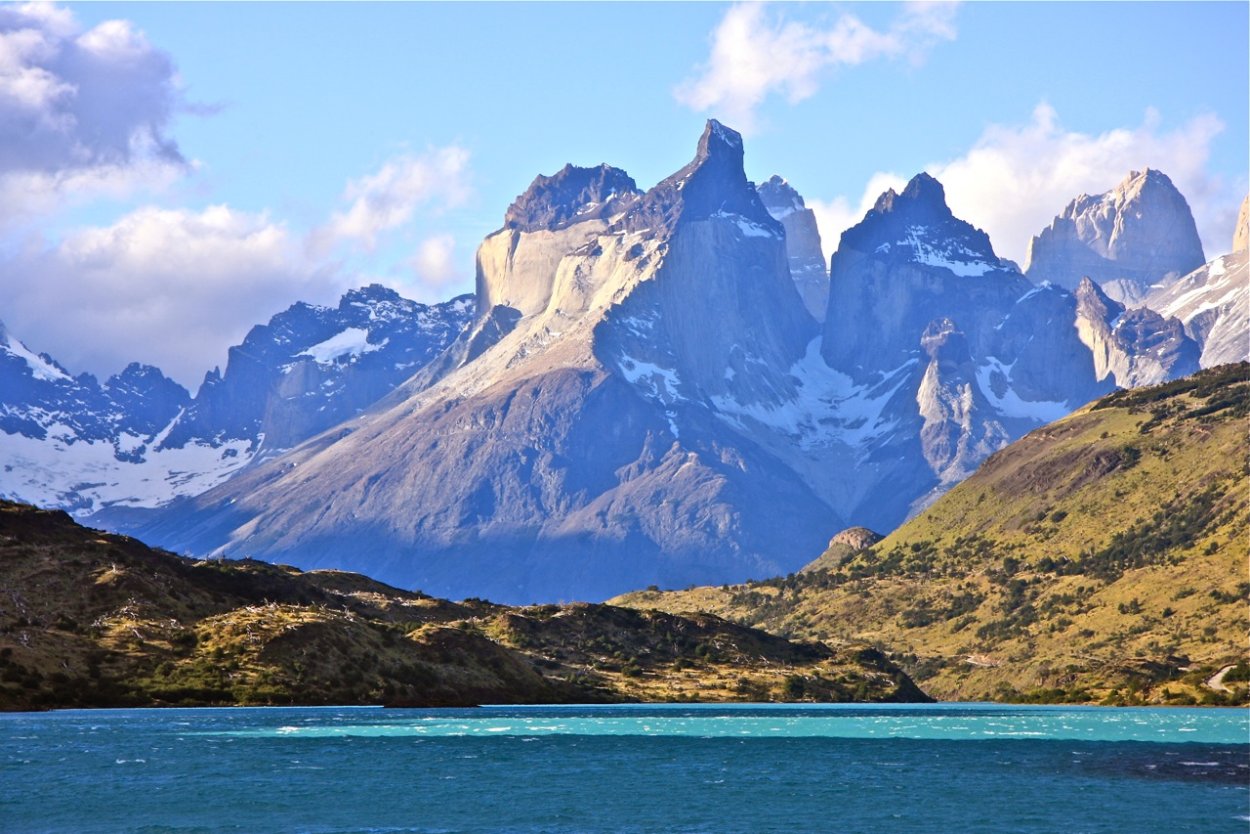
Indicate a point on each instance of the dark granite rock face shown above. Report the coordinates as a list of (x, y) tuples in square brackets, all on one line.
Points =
[(906, 263), (148, 399), (713, 183), (1139, 234), (570, 196)]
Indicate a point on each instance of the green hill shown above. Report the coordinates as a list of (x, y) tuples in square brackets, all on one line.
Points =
[(92, 619), (1100, 558)]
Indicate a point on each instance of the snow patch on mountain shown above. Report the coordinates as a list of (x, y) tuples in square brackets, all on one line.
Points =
[(945, 254), (39, 367), (994, 380), (352, 342), (828, 408), (744, 225), (85, 476)]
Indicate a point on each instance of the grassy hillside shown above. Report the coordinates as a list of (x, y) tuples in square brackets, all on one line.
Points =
[(1101, 558), (91, 619)]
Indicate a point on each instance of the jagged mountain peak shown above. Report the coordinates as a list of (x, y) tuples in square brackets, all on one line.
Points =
[(139, 377), (571, 195), (779, 197), (917, 226), (1088, 288), (922, 194), (714, 183), (369, 293), (717, 141), (1138, 234), (808, 266)]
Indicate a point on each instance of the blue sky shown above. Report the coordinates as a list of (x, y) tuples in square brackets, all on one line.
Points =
[(289, 151)]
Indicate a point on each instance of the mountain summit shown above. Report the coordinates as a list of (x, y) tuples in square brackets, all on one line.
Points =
[(1136, 235)]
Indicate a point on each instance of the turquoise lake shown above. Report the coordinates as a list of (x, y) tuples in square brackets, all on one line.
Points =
[(630, 769)]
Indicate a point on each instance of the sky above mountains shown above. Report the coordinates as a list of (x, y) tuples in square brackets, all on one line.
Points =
[(172, 173)]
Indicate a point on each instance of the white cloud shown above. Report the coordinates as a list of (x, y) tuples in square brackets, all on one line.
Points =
[(435, 266), (172, 288), (1016, 178), (80, 110), (756, 53), (389, 198)]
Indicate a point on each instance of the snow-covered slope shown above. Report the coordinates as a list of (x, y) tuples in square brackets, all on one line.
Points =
[(1213, 302), (71, 442)]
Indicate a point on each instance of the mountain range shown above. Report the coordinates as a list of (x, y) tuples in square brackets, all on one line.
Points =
[(140, 440), (648, 387)]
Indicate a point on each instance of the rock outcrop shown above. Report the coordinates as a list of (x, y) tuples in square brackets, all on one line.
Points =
[(1132, 347), (807, 260)]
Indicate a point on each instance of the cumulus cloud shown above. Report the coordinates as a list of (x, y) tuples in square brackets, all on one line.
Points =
[(81, 112), (172, 288), (435, 266), (388, 198), (756, 53), (1016, 178)]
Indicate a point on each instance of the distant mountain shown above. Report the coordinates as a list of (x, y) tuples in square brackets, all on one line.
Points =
[(1213, 302), (1139, 234), (312, 367), (807, 260), (96, 620), (1100, 558), (141, 441)]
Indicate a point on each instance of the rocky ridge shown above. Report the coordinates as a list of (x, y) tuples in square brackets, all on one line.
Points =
[(1132, 347)]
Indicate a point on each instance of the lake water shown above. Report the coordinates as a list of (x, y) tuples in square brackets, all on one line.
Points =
[(632, 769)]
